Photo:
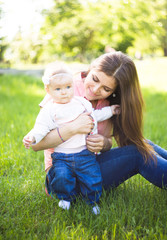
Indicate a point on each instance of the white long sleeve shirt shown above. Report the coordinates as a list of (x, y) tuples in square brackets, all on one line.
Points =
[(53, 115)]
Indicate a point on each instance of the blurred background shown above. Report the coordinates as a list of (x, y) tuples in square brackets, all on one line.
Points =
[(35, 32)]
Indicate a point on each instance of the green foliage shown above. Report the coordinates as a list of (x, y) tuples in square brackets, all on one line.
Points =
[(26, 49), (84, 30), (81, 30), (3, 44), (148, 25), (3, 47), (72, 34), (134, 210)]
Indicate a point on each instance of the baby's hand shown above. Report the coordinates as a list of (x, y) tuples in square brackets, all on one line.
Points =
[(28, 140), (115, 109)]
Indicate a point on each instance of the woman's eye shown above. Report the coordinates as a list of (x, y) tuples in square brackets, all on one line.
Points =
[(94, 79), (107, 90)]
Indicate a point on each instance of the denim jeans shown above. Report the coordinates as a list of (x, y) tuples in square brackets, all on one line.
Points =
[(68, 169), (119, 164)]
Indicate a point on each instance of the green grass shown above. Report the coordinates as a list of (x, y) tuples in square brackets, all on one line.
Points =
[(134, 210)]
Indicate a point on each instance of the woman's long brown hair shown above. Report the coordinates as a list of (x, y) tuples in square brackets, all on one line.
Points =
[(127, 127)]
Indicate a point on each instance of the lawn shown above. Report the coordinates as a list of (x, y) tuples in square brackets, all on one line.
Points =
[(134, 210)]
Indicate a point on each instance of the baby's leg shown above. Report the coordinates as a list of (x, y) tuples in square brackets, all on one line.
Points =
[(89, 176), (61, 181)]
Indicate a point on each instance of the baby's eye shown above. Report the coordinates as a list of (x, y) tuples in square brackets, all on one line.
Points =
[(68, 87), (57, 89)]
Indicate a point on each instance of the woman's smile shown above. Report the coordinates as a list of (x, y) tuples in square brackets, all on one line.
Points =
[(98, 85), (92, 92)]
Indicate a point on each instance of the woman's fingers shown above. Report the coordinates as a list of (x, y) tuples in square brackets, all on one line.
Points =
[(95, 142), (84, 123)]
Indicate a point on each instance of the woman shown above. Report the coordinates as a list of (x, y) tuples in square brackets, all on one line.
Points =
[(112, 79)]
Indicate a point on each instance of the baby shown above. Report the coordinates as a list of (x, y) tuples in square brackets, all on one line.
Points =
[(71, 160)]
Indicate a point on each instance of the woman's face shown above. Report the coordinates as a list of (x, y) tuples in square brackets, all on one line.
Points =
[(98, 85)]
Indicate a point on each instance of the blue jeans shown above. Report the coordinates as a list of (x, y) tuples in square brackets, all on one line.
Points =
[(119, 164), (68, 169)]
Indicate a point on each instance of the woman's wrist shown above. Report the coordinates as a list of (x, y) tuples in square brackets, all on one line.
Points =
[(72, 129), (107, 144), (54, 138)]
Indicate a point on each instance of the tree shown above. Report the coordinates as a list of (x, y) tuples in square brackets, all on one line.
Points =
[(75, 29), (3, 44), (26, 49), (160, 9), (70, 34), (149, 24)]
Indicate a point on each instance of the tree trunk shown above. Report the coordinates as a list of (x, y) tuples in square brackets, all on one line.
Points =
[(165, 52)]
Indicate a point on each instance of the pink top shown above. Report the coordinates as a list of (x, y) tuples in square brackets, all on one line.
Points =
[(104, 127), (79, 91)]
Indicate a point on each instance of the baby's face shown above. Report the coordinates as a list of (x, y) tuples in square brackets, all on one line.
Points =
[(61, 89)]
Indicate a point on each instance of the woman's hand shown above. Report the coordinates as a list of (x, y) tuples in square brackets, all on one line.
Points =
[(98, 143), (83, 124)]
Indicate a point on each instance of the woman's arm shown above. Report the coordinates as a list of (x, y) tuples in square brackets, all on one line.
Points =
[(81, 125)]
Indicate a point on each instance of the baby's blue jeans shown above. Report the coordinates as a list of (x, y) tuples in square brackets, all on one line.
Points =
[(69, 169)]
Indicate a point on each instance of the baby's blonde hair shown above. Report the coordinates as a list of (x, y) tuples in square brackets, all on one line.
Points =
[(56, 68)]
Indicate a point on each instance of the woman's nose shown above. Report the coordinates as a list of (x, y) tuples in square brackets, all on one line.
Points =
[(96, 89)]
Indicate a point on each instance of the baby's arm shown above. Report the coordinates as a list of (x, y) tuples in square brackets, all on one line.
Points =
[(115, 109), (42, 127), (106, 112), (28, 140)]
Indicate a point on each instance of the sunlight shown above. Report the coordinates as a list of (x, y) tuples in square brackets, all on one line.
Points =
[(22, 15)]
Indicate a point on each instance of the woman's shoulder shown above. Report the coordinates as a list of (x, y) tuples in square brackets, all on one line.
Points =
[(102, 103), (78, 85), (45, 100), (78, 78)]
